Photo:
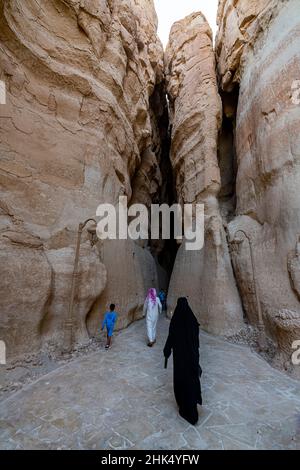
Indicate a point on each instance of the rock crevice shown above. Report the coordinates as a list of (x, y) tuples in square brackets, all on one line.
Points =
[(206, 277), (95, 110), (78, 130), (258, 46)]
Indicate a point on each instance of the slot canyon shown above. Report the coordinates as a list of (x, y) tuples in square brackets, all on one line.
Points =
[(97, 109)]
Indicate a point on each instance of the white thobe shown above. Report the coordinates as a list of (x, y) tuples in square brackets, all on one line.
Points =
[(152, 311)]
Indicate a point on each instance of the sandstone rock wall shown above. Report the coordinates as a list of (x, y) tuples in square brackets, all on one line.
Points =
[(206, 277), (240, 24), (75, 132), (85, 122), (258, 48)]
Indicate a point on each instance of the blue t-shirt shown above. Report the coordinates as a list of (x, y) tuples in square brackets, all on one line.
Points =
[(162, 296), (110, 319)]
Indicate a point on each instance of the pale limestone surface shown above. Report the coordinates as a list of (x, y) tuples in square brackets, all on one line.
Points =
[(258, 47), (123, 399), (240, 24), (85, 91), (206, 277), (76, 129)]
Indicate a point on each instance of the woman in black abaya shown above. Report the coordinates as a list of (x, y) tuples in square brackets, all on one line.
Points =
[(183, 340)]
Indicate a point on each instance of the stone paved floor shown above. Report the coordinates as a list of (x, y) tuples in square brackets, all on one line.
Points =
[(123, 399)]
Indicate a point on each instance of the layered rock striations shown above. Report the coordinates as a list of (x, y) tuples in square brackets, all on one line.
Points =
[(76, 131), (204, 276), (86, 121), (240, 24), (258, 50)]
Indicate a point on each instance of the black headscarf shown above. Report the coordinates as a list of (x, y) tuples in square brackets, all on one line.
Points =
[(184, 327), (183, 316)]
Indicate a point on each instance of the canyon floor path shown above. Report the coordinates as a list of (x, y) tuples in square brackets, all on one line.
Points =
[(123, 399)]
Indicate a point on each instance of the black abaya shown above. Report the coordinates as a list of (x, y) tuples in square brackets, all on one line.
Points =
[(183, 340)]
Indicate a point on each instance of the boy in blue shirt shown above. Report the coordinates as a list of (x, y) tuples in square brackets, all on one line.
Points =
[(109, 321)]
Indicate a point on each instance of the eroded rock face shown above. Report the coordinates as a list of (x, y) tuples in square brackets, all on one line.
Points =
[(85, 95), (130, 270), (258, 47), (88, 286), (240, 24), (206, 277), (24, 291), (74, 133)]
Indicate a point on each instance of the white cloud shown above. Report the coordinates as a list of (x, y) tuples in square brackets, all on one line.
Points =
[(169, 11)]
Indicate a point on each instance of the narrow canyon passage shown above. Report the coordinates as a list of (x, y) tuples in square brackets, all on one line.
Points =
[(96, 109), (110, 113), (245, 406)]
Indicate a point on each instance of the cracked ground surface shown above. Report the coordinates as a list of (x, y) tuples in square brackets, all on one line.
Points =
[(123, 399)]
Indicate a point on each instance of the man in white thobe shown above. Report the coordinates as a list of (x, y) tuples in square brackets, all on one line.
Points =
[(152, 308)]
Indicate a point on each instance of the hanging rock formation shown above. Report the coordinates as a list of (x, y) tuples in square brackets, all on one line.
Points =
[(75, 132), (258, 49), (204, 276)]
